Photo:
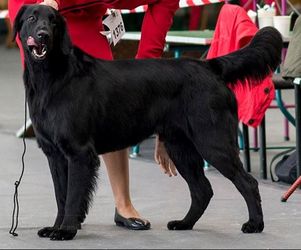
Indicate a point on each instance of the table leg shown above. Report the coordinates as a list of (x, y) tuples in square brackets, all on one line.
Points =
[(298, 126), (246, 151), (262, 150)]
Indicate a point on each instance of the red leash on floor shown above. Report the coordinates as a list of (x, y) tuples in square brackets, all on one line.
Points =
[(293, 187)]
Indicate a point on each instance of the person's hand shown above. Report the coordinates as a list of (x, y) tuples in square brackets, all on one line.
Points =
[(163, 160), (51, 3)]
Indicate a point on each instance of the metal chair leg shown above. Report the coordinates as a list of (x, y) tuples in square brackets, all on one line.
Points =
[(247, 161), (262, 150)]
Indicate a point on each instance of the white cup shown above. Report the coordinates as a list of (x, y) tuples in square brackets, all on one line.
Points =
[(282, 24), (252, 14), (265, 17)]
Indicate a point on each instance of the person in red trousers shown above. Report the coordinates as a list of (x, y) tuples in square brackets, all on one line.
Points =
[(84, 21)]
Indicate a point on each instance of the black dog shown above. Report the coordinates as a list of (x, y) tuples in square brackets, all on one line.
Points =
[(81, 107)]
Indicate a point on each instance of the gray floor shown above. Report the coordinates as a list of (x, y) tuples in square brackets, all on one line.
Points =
[(156, 196)]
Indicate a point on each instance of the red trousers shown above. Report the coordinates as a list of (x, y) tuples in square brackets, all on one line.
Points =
[(84, 20)]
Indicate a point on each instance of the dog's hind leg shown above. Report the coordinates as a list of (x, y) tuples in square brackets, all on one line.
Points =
[(59, 169), (247, 185), (221, 151), (190, 165), (83, 163)]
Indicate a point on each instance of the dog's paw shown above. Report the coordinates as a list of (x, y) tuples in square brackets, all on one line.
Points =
[(46, 232), (252, 227), (62, 234), (178, 225)]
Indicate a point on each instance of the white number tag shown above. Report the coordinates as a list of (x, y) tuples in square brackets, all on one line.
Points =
[(116, 26)]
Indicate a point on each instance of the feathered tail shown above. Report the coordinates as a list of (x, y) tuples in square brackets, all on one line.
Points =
[(255, 61)]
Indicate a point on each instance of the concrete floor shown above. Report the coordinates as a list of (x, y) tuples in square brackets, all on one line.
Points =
[(156, 196)]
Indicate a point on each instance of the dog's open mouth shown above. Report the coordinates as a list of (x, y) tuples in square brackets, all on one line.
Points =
[(38, 50)]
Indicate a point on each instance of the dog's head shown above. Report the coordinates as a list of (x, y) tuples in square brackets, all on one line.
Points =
[(41, 30)]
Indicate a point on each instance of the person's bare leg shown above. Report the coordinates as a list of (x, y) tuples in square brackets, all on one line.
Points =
[(118, 171)]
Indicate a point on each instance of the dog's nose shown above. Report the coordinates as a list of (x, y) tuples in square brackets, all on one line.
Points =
[(42, 34)]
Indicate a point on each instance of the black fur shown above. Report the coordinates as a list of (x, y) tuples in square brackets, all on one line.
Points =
[(81, 107)]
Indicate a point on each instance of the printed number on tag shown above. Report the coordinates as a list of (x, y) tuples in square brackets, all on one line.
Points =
[(116, 26), (118, 30)]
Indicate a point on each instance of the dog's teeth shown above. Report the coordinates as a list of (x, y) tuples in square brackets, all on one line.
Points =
[(37, 55), (35, 52), (43, 53)]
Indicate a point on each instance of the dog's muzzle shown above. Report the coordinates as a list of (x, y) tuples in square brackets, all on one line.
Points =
[(38, 49)]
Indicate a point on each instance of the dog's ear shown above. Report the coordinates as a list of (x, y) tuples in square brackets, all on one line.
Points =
[(18, 21), (65, 42)]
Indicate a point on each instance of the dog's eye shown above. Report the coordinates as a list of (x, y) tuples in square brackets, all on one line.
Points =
[(51, 18), (31, 19)]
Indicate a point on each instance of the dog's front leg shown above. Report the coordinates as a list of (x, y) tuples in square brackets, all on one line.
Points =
[(59, 170), (82, 168)]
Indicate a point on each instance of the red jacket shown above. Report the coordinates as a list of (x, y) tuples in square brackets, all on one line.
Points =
[(234, 29), (84, 23)]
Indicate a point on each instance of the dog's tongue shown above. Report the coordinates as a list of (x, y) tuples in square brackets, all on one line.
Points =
[(31, 41)]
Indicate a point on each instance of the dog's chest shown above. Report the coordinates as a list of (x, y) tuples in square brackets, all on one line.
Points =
[(42, 127), (43, 122)]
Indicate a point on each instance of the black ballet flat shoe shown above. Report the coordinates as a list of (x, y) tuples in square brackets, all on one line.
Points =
[(131, 223)]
